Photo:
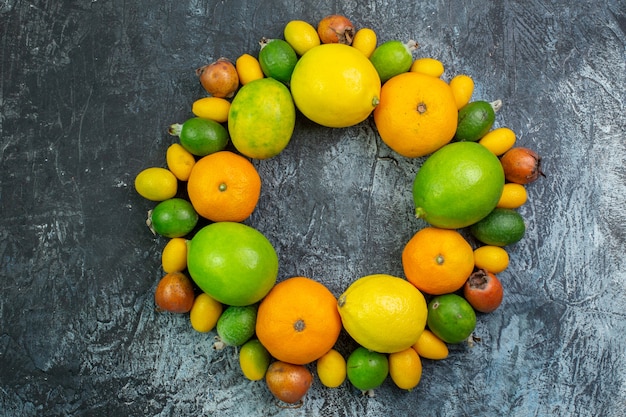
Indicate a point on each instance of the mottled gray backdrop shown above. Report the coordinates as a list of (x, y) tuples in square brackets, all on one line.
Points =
[(87, 90)]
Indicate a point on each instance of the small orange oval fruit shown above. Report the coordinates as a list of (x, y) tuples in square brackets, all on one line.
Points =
[(288, 382), (174, 293)]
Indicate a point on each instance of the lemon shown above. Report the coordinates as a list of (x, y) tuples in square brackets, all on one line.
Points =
[(156, 184), (301, 35), (205, 313), (365, 41), (174, 255), (393, 58), (277, 59), (383, 313), (248, 69), (498, 140), (331, 369), (427, 66), (513, 196), (366, 369), (254, 359), (430, 346), (262, 118), (494, 259), (405, 368), (214, 108), (462, 87), (179, 161), (335, 85)]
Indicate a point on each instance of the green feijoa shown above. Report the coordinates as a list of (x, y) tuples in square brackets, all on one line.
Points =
[(200, 136), (501, 227), (475, 120), (171, 218)]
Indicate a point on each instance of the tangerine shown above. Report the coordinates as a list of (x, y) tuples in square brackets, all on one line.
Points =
[(224, 186), (437, 261), (298, 321), (416, 115)]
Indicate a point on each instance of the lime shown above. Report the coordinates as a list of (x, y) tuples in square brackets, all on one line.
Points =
[(475, 120), (451, 318), (277, 59), (232, 262), (156, 184), (392, 58), (236, 325), (458, 185), (367, 369), (254, 360), (262, 118), (200, 136), (331, 369), (172, 218), (501, 227)]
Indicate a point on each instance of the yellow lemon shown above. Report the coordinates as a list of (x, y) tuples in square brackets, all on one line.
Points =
[(179, 161), (498, 140), (248, 68), (513, 196), (214, 108), (174, 255), (462, 87), (428, 66), (430, 346), (204, 313), (405, 368), (383, 313), (156, 184), (335, 85), (494, 259), (301, 35), (331, 369), (365, 41)]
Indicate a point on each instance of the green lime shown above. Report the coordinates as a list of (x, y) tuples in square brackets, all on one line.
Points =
[(367, 369), (392, 58), (501, 227), (254, 359), (451, 318), (236, 325), (475, 120), (277, 59), (262, 118), (458, 185), (200, 136), (232, 262), (175, 217)]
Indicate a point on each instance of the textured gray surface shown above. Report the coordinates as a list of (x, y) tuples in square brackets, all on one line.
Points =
[(87, 89)]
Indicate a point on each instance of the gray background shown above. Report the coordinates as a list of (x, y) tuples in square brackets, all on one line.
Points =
[(87, 90)]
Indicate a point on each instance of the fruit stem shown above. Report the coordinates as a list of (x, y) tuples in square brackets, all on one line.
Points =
[(175, 129), (411, 45), (496, 105), (264, 41), (420, 213), (149, 223)]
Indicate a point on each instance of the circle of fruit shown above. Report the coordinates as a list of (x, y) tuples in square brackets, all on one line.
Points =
[(337, 76)]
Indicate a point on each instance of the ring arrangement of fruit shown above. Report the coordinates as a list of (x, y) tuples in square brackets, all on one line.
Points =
[(224, 272)]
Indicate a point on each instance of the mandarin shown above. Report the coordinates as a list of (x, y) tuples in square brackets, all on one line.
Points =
[(298, 321), (224, 186), (437, 261), (416, 115)]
